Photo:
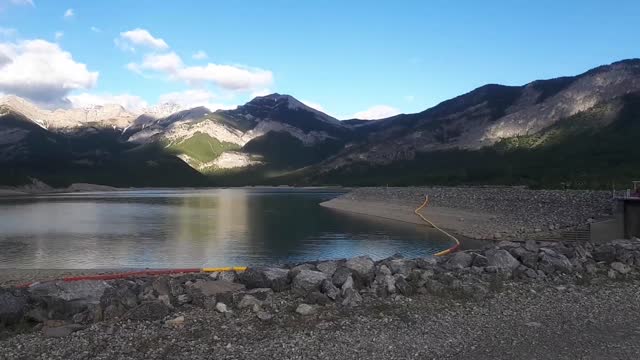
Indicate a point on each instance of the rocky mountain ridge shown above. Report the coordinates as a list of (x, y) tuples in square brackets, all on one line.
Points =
[(483, 135), (489, 114)]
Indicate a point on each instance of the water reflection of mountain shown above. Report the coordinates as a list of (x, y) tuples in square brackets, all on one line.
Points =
[(194, 228)]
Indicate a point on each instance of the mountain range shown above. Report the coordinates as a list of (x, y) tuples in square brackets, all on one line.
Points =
[(576, 131)]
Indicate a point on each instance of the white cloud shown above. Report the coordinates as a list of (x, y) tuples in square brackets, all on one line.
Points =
[(261, 92), (200, 55), (95, 29), (226, 76), (42, 72), (140, 37), (194, 98), (132, 103), (313, 105), (58, 35), (169, 62), (23, 2), (229, 77), (69, 14), (376, 112)]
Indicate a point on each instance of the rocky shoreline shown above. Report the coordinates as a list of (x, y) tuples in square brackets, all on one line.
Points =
[(488, 213), (305, 291)]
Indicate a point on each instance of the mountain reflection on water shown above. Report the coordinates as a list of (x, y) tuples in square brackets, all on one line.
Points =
[(192, 228)]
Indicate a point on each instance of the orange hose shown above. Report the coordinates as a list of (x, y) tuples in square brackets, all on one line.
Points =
[(448, 251)]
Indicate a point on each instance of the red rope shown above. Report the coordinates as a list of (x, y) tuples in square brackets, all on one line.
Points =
[(124, 275)]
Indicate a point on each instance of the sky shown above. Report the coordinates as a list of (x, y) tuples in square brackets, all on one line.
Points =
[(365, 59)]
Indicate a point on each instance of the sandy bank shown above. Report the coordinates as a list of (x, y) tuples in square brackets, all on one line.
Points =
[(497, 213), (448, 218)]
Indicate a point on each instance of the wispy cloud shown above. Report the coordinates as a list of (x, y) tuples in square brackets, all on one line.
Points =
[(228, 77), (69, 14), (58, 35), (199, 55), (7, 32), (140, 37), (193, 98), (95, 29), (23, 2), (376, 112)]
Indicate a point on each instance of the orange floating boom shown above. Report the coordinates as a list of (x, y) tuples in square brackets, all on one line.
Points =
[(448, 251)]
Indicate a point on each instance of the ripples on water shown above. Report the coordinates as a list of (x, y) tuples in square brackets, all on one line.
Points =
[(193, 228)]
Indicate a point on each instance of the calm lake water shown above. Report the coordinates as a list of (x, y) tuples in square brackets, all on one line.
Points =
[(193, 228)]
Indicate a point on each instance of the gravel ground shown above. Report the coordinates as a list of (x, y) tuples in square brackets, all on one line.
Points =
[(515, 212), (523, 320)]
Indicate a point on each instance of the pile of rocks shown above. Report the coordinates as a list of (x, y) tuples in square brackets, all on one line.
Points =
[(63, 307)]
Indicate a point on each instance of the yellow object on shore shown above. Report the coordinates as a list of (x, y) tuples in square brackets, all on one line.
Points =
[(224, 269), (444, 252)]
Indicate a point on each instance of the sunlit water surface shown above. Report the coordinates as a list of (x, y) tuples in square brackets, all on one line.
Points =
[(193, 228)]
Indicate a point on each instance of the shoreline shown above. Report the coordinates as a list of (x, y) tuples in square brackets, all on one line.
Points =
[(484, 213), (392, 308), (43, 189)]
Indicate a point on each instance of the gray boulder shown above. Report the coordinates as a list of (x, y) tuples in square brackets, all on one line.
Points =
[(606, 253), (307, 281), (620, 267), (402, 266), (316, 297), (62, 300), (351, 297), (403, 286), (530, 259), (363, 268), (551, 261), (84, 290), (385, 285), (347, 285), (480, 261), (249, 301), (328, 267), (426, 262), (217, 287), (296, 269), (531, 245), (501, 260), (329, 289), (340, 276), (229, 276), (161, 286), (383, 270), (12, 307), (459, 260), (267, 277)]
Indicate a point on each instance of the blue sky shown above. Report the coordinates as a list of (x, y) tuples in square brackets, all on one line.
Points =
[(346, 57)]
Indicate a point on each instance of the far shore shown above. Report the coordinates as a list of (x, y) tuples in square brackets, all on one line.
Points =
[(484, 213), (40, 188)]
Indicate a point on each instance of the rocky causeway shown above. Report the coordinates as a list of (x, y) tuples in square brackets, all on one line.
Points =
[(509, 300)]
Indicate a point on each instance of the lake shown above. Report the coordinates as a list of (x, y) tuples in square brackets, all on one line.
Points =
[(195, 228)]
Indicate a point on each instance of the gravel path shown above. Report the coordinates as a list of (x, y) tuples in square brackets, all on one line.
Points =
[(512, 212), (524, 321)]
